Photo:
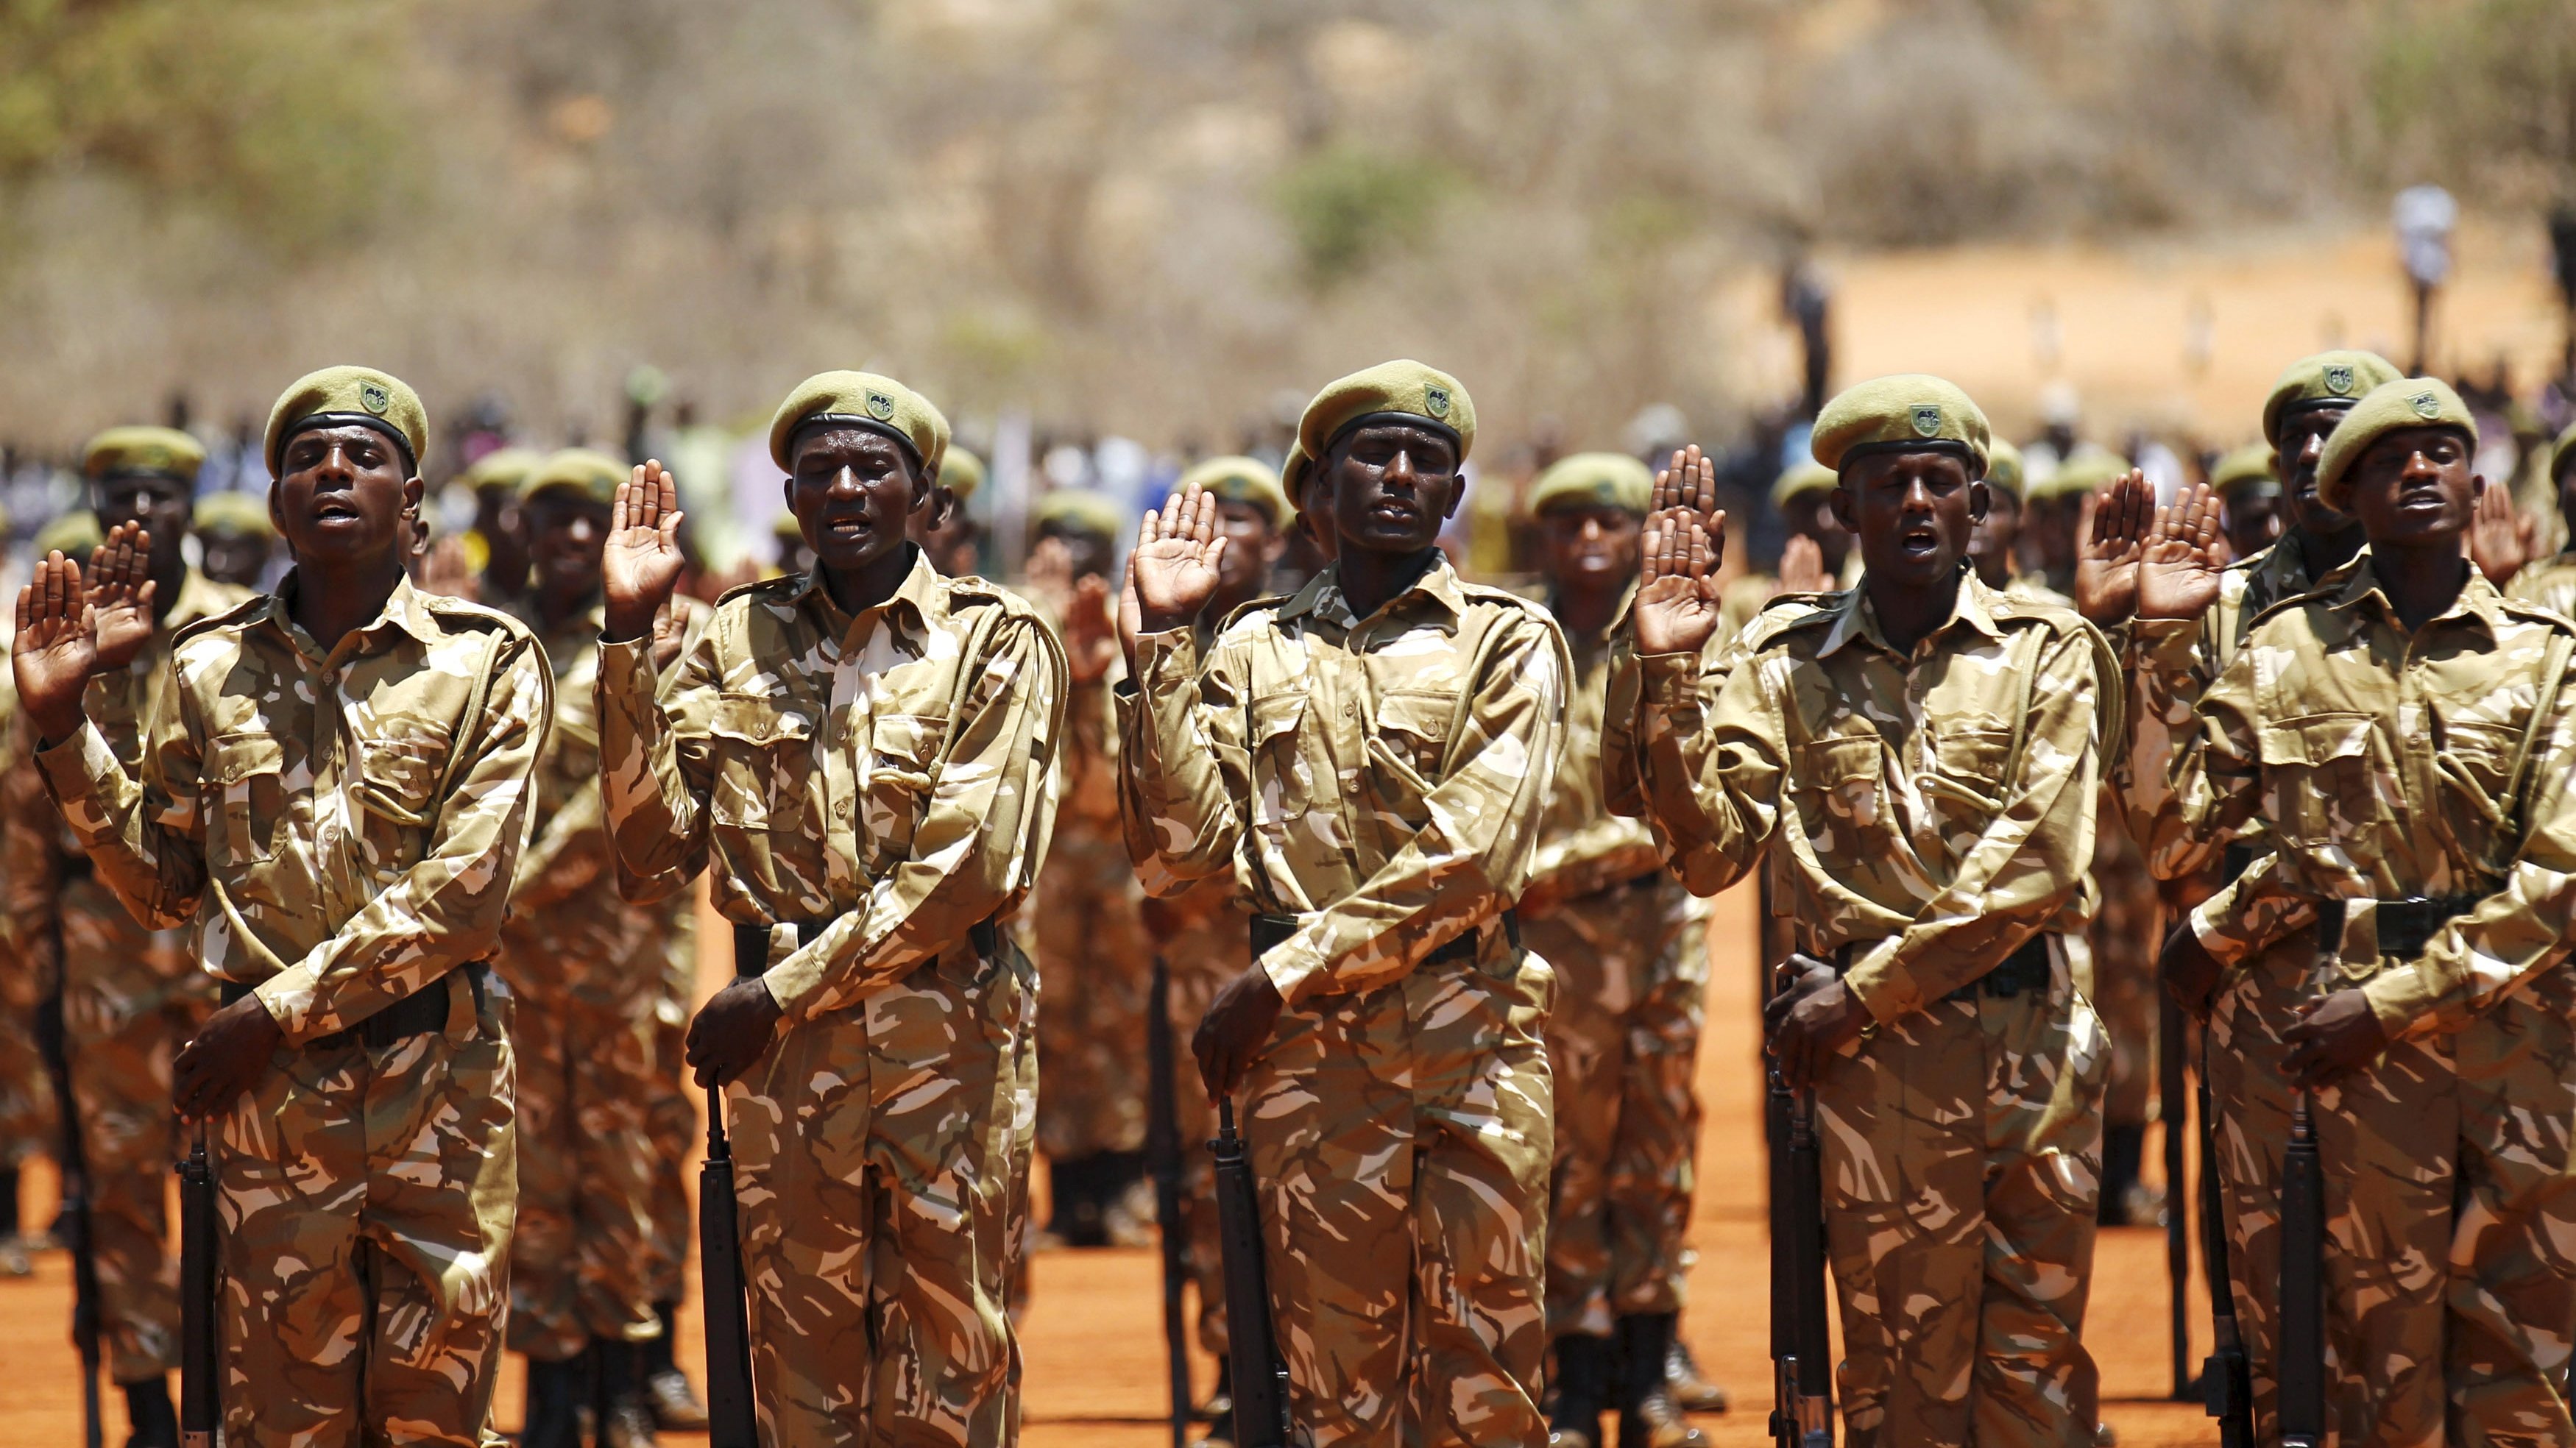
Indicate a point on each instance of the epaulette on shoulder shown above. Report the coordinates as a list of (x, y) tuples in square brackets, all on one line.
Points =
[(464, 614), (2038, 610), (975, 588), (1246, 609), (2281, 606), (783, 583), (1495, 593), (238, 613), (2542, 614)]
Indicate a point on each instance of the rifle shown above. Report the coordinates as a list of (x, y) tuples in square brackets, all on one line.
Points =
[(2171, 1099), (730, 1422), (2226, 1379), (199, 1394), (1260, 1375), (1802, 1414), (2302, 1370), (1163, 1160), (73, 1223)]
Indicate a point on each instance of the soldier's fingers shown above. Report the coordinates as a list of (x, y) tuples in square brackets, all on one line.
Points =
[(1706, 469), (26, 598)]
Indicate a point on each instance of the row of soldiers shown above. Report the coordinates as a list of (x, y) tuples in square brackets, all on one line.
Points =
[(1379, 784)]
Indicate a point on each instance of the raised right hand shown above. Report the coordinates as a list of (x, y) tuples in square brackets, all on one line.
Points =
[(1177, 548), (2179, 569), (643, 560), (120, 596), (56, 649)]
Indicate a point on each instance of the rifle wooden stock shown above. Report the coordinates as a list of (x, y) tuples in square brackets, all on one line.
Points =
[(2302, 1371), (73, 1221), (1260, 1375), (1163, 1159), (2227, 1378), (2171, 1098), (200, 1400)]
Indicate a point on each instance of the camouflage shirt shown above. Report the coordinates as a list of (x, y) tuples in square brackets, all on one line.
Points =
[(1381, 779), (2550, 582), (1934, 808), (2379, 759), (891, 772), (1584, 845), (340, 824)]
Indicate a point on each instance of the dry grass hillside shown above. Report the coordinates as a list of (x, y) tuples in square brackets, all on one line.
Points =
[(1149, 215)]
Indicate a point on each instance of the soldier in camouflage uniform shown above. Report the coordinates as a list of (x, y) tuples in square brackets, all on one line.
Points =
[(1201, 927), (863, 755), (586, 971), (2402, 732), (2248, 484), (2172, 662), (26, 1097), (1094, 959), (131, 996), (672, 1126), (1370, 759), (1631, 964), (1921, 754), (2551, 582), (337, 824)]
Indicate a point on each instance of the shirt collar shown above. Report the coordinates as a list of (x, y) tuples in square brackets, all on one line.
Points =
[(2478, 601), (1854, 617), (406, 608), (923, 595), (1322, 597)]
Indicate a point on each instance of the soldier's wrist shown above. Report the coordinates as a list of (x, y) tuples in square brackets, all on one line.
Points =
[(627, 623)]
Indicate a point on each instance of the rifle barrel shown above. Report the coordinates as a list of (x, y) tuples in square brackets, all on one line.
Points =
[(1163, 1157), (2173, 1105), (200, 1396), (2302, 1369), (1260, 1376)]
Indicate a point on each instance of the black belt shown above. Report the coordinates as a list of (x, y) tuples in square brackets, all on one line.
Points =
[(2026, 969), (421, 1012), (1270, 930), (2233, 862), (2405, 926), (751, 942)]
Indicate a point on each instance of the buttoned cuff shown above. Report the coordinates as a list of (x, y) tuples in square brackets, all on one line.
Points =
[(626, 668), (1669, 681), (82, 769), (1296, 966), (794, 982), (1883, 982), (290, 996), (2167, 645), (2213, 928), (2407, 1000), (1167, 657)]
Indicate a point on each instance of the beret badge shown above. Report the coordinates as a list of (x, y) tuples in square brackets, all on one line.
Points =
[(1435, 400), (880, 407), (374, 398), (2339, 378), (1927, 419), (2427, 405)]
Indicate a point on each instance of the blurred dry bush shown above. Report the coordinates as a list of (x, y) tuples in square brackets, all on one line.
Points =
[(1147, 216)]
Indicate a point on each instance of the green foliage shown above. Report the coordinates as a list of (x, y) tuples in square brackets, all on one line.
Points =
[(287, 115), (1347, 205)]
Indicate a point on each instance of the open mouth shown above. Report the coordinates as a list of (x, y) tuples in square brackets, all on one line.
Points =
[(1918, 543), (335, 510)]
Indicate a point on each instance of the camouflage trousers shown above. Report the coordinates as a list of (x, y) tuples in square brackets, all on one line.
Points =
[(1962, 1159), (879, 1156), (1401, 1138), (2450, 1215), (2124, 937), (1631, 969), (26, 1095), (1094, 966), (580, 1263), (132, 1000), (367, 1197), (671, 1127)]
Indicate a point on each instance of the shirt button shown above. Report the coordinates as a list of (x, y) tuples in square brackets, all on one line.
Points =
[(331, 677)]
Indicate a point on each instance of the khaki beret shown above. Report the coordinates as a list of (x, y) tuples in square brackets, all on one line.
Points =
[(1907, 411), (503, 467), (2087, 469), (71, 534), (582, 469), (2389, 407), (1614, 479), (2339, 378), (2562, 452), (861, 399), (1079, 508), (2003, 468), (962, 473), (232, 513), (1240, 480), (360, 395), (1799, 481), (163, 450), (2248, 468), (1410, 389)]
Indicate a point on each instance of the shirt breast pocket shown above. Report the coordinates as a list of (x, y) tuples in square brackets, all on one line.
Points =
[(244, 790), (1414, 726), (1968, 772), (2322, 777), (1280, 789), (1837, 787), (903, 768), (763, 756)]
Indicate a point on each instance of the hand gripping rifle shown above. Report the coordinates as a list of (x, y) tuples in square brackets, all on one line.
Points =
[(73, 1221), (1163, 1160), (1802, 1413), (2302, 1371), (1260, 1374), (200, 1400), (2227, 1379), (730, 1420)]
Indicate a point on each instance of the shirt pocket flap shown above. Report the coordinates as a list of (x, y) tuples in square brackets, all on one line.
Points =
[(2315, 740), (1830, 762), (758, 719), (909, 739), (1423, 716), (397, 773), (232, 758), (1276, 715)]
